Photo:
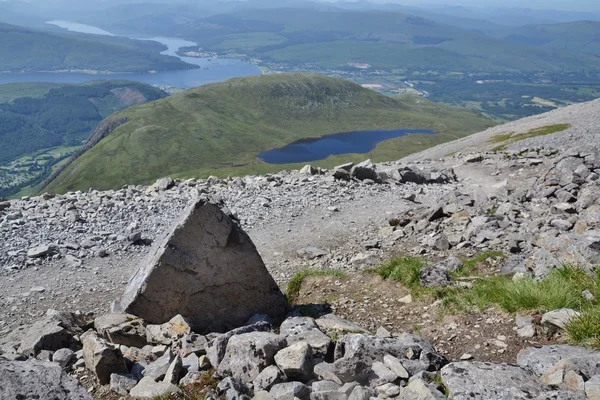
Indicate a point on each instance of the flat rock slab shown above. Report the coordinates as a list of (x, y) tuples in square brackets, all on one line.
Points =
[(38, 380), (486, 381), (207, 269), (542, 359)]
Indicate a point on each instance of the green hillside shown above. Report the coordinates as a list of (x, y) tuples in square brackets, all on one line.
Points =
[(26, 50), (221, 128), (385, 40), (41, 124)]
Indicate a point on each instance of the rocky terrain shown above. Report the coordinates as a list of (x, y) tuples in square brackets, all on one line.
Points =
[(532, 207)]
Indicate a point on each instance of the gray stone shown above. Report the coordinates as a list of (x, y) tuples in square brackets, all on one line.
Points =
[(310, 253), (125, 329), (592, 388), (478, 380), (207, 269), (342, 174), (433, 277), (441, 244), (305, 329), (325, 371), (559, 318), (148, 388), (164, 184), (395, 365), (63, 357), (122, 383), (325, 390), (525, 326), (52, 332), (388, 390), (382, 332), (41, 251), (249, 353), (309, 170), (174, 371), (348, 388), (215, 349), (332, 322), (356, 353), (541, 359), (417, 389), (101, 358), (38, 380), (232, 389), (362, 393), (346, 166), (158, 369), (169, 332), (267, 378), (561, 224), (380, 374), (290, 390), (450, 264), (191, 344), (295, 361), (191, 363), (365, 170), (262, 395)]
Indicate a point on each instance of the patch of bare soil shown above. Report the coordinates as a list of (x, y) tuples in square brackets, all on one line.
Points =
[(371, 302)]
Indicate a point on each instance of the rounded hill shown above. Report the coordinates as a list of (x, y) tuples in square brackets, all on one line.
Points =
[(221, 128)]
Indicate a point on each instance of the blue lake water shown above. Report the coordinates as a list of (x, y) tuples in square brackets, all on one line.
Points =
[(211, 70), (339, 143)]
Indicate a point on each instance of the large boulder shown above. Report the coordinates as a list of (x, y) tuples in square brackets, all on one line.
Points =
[(207, 269), (38, 380)]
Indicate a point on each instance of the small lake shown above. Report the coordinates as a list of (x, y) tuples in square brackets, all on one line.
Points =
[(306, 150), (211, 70)]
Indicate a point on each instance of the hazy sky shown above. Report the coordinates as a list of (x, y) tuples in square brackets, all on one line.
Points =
[(573, 5)]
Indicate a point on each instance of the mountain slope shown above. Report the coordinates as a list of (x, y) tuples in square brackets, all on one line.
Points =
[(26, 50), (222, 128), (42, 124)]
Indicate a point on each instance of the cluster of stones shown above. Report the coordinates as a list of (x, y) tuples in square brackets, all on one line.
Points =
[(543, 225), (301, 358)]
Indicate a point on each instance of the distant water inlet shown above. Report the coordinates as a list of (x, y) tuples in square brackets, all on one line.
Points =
[(339, 143)]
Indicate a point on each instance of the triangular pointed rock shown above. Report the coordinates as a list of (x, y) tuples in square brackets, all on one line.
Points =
[(207, 269)]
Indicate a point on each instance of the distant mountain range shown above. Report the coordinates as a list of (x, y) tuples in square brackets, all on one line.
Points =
[(29, 50)]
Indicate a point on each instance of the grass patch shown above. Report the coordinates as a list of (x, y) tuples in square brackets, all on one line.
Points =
[(470, 264), (406, 270), (510, 138), (561, 289), (295, 284)]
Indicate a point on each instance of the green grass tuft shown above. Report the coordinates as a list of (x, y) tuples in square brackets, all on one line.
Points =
[(510, 138), (295, 284), (406, 270)]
